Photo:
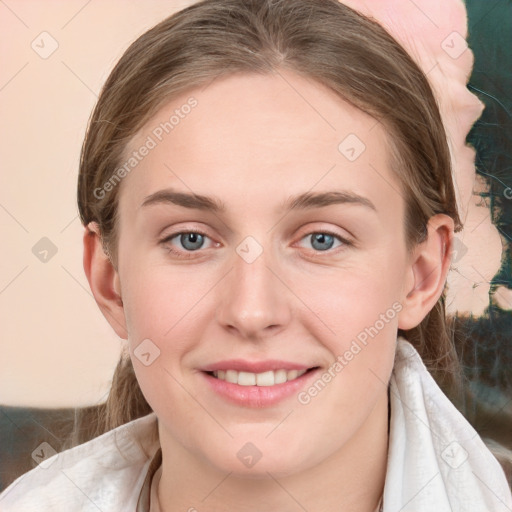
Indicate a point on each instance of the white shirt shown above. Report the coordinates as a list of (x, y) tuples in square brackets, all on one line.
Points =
[(436, 460)]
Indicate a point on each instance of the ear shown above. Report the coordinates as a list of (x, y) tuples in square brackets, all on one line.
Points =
[(104, 280), (427, 271)]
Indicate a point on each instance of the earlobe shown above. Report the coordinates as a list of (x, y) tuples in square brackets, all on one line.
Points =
[(428, 270), (104, 280)]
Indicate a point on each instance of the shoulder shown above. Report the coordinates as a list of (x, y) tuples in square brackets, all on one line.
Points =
[(105, 473)]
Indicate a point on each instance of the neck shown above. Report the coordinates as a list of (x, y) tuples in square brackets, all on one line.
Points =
[(350, 479)]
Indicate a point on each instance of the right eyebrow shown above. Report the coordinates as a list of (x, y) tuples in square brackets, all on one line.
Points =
[(195, 201)]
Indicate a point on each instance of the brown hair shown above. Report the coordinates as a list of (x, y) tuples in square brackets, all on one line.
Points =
[(323, 40)]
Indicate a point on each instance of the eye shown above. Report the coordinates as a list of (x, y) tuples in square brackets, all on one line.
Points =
[(191, 241), (323, 241), (188, 241)]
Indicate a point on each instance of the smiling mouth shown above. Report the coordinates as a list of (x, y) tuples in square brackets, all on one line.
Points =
[(268, 378)]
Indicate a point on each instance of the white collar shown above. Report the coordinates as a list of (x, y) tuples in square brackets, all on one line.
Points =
[(436, 460)]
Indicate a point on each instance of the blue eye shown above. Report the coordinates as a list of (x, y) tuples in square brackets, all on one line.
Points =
[(191, 241), (323, 241)]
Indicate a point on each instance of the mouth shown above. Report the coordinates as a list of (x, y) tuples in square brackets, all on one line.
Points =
[(263, 379), (258, 390)]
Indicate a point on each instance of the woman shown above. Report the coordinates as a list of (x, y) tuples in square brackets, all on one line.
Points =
[(269, 212)]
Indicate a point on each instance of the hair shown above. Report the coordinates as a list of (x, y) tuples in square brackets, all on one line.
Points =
[(322, 40)]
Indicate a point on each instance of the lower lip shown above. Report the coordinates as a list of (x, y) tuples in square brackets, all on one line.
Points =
[(258, 396)]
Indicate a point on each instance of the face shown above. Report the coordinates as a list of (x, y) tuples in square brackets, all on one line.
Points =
[(297, 261)]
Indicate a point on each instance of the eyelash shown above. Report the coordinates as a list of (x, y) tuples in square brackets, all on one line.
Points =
[(182, 254), (191, 254)]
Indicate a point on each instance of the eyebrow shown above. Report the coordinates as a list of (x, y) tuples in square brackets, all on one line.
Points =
[(307, 200)]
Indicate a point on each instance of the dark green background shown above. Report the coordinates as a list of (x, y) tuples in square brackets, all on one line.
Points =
[(485, 342)]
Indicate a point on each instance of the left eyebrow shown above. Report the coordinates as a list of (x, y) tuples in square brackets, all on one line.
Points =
[(307, 200)]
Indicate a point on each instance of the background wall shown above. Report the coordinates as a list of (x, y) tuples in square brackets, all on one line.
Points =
[(56, 347)]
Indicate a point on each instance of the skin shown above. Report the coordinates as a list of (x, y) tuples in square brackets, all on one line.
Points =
[(253, 141)]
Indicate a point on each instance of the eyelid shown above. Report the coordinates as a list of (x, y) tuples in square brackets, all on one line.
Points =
[(185, 231), (349, 239), (345, 243)]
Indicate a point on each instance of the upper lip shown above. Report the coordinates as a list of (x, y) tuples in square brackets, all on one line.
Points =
[(242, 365)]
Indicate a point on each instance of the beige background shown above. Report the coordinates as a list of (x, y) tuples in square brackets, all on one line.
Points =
[(56, 347)]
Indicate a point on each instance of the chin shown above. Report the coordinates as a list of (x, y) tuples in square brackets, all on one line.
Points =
[(254, 460)]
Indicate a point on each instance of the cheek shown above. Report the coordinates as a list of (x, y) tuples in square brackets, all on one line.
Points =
[(356, 318), (160, 301), (361, 340), (161, 309), (348, 300)]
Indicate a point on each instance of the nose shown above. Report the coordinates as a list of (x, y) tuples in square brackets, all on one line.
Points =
[(254, 301)]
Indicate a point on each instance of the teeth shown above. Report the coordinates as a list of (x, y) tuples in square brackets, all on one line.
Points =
[(246, 379), (231, 376), (265, 379), (280, 376), (258, 379)]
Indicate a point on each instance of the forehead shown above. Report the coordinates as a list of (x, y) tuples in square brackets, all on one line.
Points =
[(246, 135)]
